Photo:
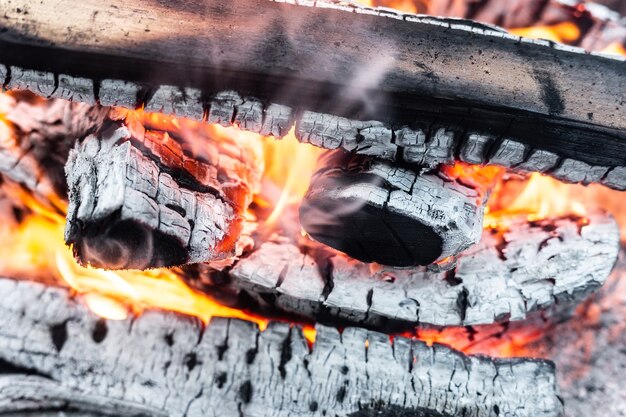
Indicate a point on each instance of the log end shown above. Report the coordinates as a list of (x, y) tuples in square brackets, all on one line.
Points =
[(377, 212), (113, 243)]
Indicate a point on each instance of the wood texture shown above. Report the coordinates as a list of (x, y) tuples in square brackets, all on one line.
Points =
[(379, 212), (365, 65), (163, 364), (142, 198), (532, 266)]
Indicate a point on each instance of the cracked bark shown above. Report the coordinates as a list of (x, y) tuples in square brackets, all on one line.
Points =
[(378, 212), (529, 267), (531, 103), (230, 368), (143, 197)]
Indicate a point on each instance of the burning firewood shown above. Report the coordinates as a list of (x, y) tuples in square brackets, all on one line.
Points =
[(527, 267), (163, 364), (380, 212), (389, 72), (36, 136), (143, 197)]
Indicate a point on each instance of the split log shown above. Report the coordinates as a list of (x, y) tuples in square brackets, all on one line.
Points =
[(143, 198), (430, 74), (529, 267), (164, 364), (378, 212), (36, 138)]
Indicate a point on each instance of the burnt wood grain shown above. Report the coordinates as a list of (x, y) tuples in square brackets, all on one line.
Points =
[(509, 274), (55, 352), (376, 211), (365, 64)]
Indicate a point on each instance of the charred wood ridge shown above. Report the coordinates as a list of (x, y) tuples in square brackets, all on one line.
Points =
[(531, 267), (341, 374), (376, 65)]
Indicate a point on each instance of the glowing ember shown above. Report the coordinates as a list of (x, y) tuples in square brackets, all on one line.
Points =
[(477, 176)]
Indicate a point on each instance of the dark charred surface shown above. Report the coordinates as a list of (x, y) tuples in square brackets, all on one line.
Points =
[(382, 410)]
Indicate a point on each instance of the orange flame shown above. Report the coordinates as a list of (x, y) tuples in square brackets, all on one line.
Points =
[(37, 245), (540, 198), (289, 167), (565, 32), (36, 248), (615, 48), (407, 6)]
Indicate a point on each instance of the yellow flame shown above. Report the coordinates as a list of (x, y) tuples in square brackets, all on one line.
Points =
[(407, 6), (106, 307), (37, 249), (615, 48), (565, 32), (541, 197), (289, 167)]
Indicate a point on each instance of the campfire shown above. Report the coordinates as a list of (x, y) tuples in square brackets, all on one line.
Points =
[(259, 207)]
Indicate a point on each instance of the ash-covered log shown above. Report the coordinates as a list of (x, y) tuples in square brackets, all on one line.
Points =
[(530, 266), (388, 72), (589, 351), (143, 197), (164, 364), (379, 212), (36, 136)]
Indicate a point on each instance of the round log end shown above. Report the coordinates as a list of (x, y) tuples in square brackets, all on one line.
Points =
[(376, 212)]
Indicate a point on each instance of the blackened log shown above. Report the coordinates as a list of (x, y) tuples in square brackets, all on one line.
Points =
[(378, 212), (431, 72), (529, 267), (141, 199), (164, 363), (36, 138)]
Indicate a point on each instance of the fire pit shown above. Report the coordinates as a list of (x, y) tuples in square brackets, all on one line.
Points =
[(317, 208)]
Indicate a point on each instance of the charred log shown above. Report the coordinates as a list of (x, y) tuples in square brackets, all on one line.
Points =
[(37, 136), (163, 364), (377, 212), (589, 351), (138, 200), (518, 91), (503, 278)]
